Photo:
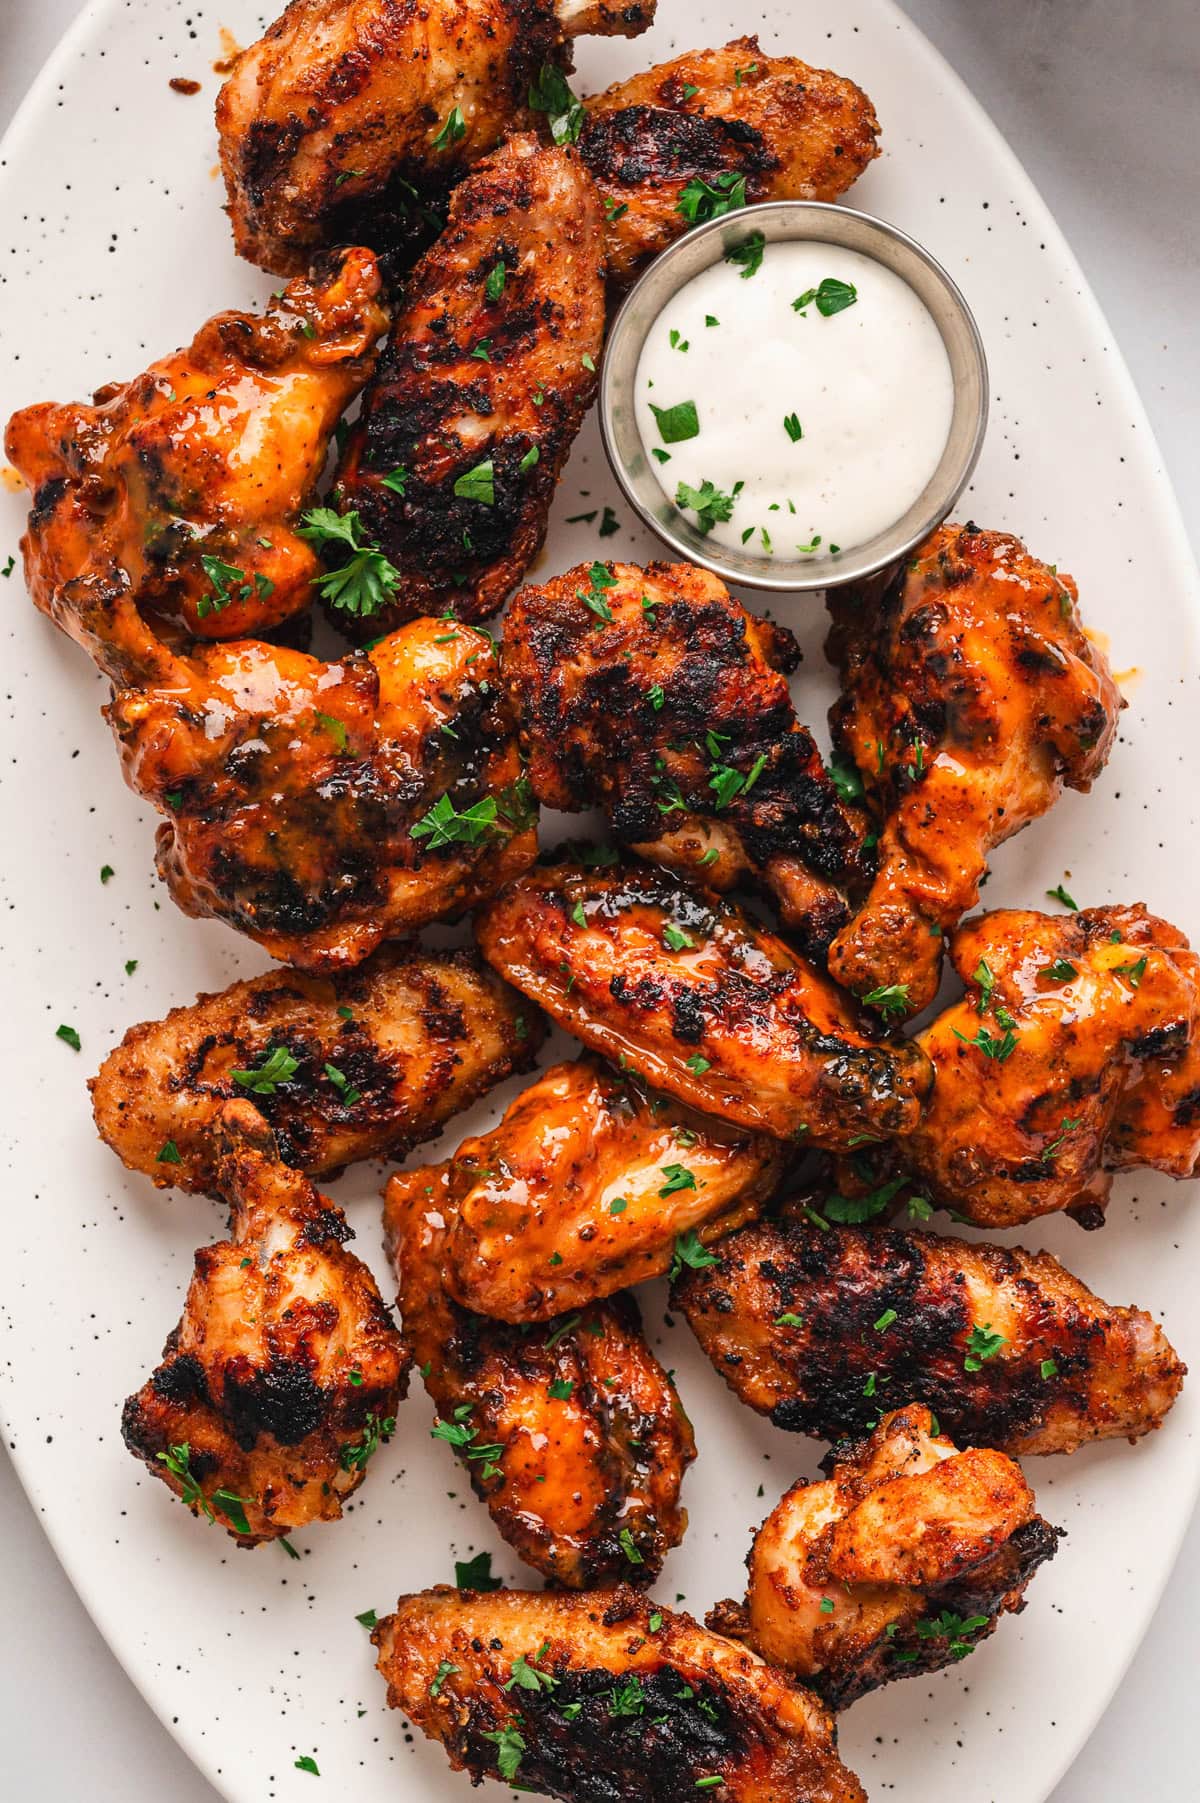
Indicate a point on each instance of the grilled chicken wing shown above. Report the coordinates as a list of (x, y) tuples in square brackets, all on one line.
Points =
[(482, 386), (670, 710), (822, 1327), (188, 483), (285, 1371), (572, 1434), (353, 112), (373, 1061), (706, 1006), (588, 1184), (971, 696), (318, 808), (901, 1562), (1074, 1053), (614, 1698), (715, 129)]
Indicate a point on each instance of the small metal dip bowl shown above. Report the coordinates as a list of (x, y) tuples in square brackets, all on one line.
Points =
[(781, 221)]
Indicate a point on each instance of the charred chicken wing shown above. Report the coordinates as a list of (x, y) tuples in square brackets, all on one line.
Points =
[(188, 483), (669, 708), (682, 987), (372, 1061), (589, 1183), (482, 386), (971, 697), (572, 1434), (283, 1375), (353, 113), (1074, 1053), (901, 1562), (823, 1327), (713, 130), (604, 1696)]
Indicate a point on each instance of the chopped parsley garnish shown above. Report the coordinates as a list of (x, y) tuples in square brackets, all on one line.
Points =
[(983, 1344), (707, 502), (697, 1065), (626, 1542), (306, 1763), (561, 1331), (951, 1627), (510, 1745), (1048, 1368), (1059, 894), (982, 974), (885, 1320), (889, 998), (525, 1675), (600, 578), (478, 484), (454, 128), (678, 1177), (690, 1252), (846, 780), (1134, 972), (789, 1319), (655, 695), (169, 1154), (531, 457), (1066, 1128), (367, 582), (497, 276), (853, 1210), (483, 351), (131, 965), (396, 480), (618, 1205), (69, 1036), (748, 255), (992, 1047), (368, 1619), (355, 1455), (793, 428), (676, 940), (627, 1697), (342, 1084), (829, 298), (813, 545), (609, 523), (700, 200), (562, 1387), (445, 1670), (551, 94), (827, 1605), (444, 825), (335, 728), (460, 1434), (1061, 971), (277, 1066), (678, 422), (476, 1573)]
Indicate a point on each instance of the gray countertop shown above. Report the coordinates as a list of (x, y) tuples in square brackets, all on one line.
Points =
[(1101, 99)]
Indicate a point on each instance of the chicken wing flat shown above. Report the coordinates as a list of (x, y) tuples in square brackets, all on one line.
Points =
[(971, 697), (823, 1327), (349, 110), (572, 1434), (1074, 1053), (372, 1061), (284, 1373), (590, 1182), (606, 1696), (188, 483), (681, 986), (716, 129), (900, 1563), (653, 694), (319, 808), (482, 385)]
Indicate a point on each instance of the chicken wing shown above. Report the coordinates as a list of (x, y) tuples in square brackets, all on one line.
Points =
[(900, 1563), (707, 1007), (609, 1696), (971, 696), (349, 112), (573, 1437), (371, 1062), (188, 483), (822, 1327), (716, 129), (654, 695), (581, 1190), (1074, 1053), (284, 1373), (482, 386)]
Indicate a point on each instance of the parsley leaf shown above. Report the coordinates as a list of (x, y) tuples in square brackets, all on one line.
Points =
[(444, 825), (277, 1066), (890, 999), (366, 583), (707, 502), (510, 1745), (831, 297), (454, 128), (678, 422), (478, 484), (700, 200), (983, 1344), (851, 1210), (551, 94), (690, 1252), (476, 1574), (749, 255)]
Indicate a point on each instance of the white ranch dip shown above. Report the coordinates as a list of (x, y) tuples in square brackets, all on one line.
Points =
[(818, 426)]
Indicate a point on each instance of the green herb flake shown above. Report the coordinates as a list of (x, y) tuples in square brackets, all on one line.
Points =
[(1059, 894), (276, 1066), (306, 1763), (748, 256), (169, 1154), (700, 200), (69, 1036), (677, 423), (551, 94), (476, 1574), (455, 127), (982, 1344), (829, 298), (366, 583)]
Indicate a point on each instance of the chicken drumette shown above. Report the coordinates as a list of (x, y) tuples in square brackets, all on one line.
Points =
[(284, 1373), (572, 1433), (900, 1563), (589, 1183), (481, 388), (372, 1061), (714, 130), (971, 697), (822, 1327), (605, 1696), (187, 484), (656, 696), (1075, 1053), (682, 987), (358, 114)]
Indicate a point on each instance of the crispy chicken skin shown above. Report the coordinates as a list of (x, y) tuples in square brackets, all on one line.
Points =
[(572, 1435), (352, 109), (622, 1710), (285, 1371), (790, 1320), (189, 482), (732, 1022), (900, 1563), (303, 799), (1092, 1020), (674, 717), (377, 1060), (578, 1192), (971, 696), (475, 380), (793, 132)]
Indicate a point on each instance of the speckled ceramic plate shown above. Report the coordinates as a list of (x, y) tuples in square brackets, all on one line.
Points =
[(116, 249)]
